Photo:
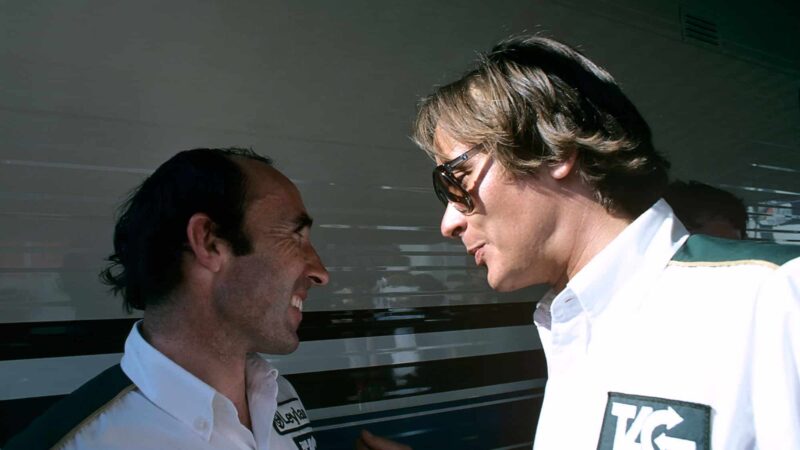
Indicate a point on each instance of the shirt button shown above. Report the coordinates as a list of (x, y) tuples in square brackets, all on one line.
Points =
[(200, 424)]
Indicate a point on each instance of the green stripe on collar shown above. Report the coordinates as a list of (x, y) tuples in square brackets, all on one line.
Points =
[(706, 249)]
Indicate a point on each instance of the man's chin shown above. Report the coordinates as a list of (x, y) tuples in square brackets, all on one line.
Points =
[(502, 282), (282, 348), (502, 288), (497, 283), (292, 347)]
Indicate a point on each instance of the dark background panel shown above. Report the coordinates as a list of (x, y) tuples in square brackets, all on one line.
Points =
[(504, 425), (92, 337)]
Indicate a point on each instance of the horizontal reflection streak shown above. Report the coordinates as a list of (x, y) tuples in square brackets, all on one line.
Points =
[(758, 189), (401, 268), (412, 293), (33, 196), (382, 382), (52, 216), (362, 187), (782, 215), (392, 350), (776, 204), (73, 166), (428, 412), (366, 253), (425, 400), (34, 377), (29, 340), (52, 270), (775, 230), (60, 269), (332, 249), (59, 116), (776, 168), (338, 226), (369, 359)]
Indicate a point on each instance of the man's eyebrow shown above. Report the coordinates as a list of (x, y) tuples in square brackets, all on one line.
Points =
[(303, 221)]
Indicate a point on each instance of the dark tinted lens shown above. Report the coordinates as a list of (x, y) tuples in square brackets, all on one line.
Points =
[(440, 189), (448, 190)]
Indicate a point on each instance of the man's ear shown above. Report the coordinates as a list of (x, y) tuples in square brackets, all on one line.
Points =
[(560, 170), (209, 250)]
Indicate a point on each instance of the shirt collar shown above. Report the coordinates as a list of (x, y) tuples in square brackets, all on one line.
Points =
[(262, 394), (631, 261), (181, 394)]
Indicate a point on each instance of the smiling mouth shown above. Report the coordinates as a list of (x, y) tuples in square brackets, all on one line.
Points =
[(297, 302)]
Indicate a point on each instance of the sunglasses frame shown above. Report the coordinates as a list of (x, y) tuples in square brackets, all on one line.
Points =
[(443, 173)]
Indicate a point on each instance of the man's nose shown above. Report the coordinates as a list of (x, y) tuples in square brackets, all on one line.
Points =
[(317, 272), (453, 222)]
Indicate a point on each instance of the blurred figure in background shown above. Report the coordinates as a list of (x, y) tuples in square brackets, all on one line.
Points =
[(704, 209)]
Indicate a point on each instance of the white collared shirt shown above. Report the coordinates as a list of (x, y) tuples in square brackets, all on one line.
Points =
[(170, 408), (641, 348)]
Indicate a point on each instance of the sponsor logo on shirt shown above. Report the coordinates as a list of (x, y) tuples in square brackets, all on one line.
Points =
[(305, 441), (634, 422), (290, 416)]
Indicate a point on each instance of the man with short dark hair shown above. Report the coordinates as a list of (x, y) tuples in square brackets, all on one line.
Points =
[(653, 338), (214, 247)]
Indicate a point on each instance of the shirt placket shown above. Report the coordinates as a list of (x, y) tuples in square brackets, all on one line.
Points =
[(569, 334)]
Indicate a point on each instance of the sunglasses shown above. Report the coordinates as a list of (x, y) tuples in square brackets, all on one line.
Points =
[(447, 188)]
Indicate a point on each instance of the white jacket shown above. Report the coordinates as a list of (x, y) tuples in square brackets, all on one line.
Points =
[(670, 342)]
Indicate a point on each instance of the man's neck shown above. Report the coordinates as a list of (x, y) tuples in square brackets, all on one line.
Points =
[(594, 229), (202, 352)]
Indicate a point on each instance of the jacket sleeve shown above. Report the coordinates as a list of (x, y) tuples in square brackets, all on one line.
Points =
[(776, 360)]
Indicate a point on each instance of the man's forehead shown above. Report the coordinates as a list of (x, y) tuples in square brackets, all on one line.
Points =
[(262, 179), (446, 146), (277, 211), (253, 166), (268, 187)]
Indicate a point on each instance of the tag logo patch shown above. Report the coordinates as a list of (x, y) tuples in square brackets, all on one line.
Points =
[(290, 416), (634, 422), (306, 441)]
